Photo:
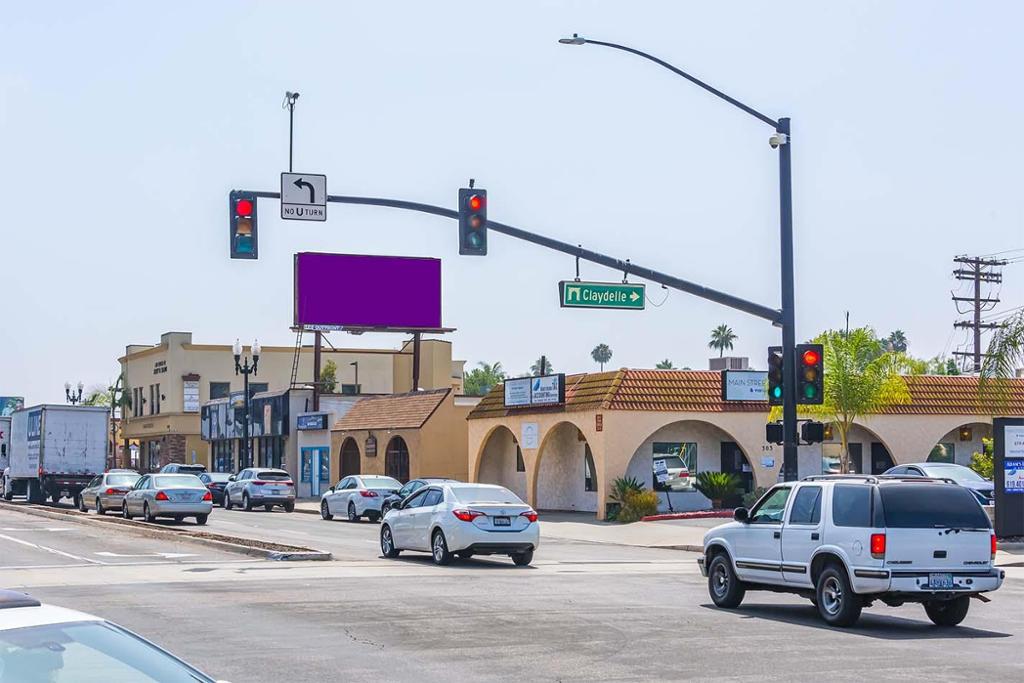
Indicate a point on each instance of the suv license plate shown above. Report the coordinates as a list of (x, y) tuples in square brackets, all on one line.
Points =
[(502, 521), (940, 580)]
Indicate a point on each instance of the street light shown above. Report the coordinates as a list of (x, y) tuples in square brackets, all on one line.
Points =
[(245, 369), (71, 397), (781, 140)]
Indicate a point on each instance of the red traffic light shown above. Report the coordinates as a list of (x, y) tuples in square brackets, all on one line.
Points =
[(811, 357), (476, 202), (243, 207)]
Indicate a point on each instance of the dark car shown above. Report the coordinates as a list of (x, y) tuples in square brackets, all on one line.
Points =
[(182, 468), (983, 488), (411, 487), (215, 483)]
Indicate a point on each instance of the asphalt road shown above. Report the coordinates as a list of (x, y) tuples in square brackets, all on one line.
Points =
[(583, 612)]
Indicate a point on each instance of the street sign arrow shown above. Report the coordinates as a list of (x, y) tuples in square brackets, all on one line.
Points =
[(614, 295), (303, 183)]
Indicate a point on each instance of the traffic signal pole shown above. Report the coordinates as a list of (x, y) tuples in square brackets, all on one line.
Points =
[(789, 366)]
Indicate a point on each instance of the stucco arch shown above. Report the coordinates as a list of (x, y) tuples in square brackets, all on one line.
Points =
[(349, 457), (474, 465), (555, 481), (498, 462)]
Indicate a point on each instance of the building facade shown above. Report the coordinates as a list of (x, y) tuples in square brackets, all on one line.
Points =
[(168, 383), (617, 424)]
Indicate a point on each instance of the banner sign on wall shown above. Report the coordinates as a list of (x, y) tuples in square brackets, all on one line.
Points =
[(546, 390)]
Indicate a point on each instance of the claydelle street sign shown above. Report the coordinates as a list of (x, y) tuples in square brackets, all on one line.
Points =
[(573, 294)]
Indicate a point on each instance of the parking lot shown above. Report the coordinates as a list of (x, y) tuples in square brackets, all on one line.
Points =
[(583, 611)]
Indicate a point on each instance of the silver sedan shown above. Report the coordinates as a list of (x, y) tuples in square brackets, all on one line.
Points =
[(106, 492), (168, 495)]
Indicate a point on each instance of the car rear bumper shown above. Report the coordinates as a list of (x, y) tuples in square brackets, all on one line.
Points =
[(169, 508), (276, 500), (915, 584), (466, 536), (365, 505), (499, 548), (112, 500)]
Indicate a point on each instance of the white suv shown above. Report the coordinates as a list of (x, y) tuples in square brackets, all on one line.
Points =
[(844, 541)]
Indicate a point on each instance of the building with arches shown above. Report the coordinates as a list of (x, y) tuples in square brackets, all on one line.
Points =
[(618, 423)]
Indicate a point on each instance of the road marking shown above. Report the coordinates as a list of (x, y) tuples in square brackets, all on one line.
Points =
[(50, 550), (11, 528), (169, 556)]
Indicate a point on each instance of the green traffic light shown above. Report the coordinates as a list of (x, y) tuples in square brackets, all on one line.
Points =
[(777, 392), (810, 391)]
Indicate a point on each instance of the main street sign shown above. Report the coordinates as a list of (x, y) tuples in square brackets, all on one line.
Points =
[(304, 196), (575, 294)]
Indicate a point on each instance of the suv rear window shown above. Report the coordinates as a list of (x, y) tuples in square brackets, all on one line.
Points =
[(930, 506), (851, 506), (271, 475)]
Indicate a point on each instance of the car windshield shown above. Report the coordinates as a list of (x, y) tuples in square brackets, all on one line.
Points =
[(485, 494), (958, 473), (672, 462), (86, 652), (381, 483), (166, 481), (273, 475), (931, 506), (119, 479)]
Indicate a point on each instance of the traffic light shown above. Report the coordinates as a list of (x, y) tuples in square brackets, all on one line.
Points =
[(472, 222), (242, 211), (775, 371), (810, 379), (773, 433), (812, 432)]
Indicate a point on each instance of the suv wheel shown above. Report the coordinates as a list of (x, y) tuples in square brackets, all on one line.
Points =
[(227, 501), (725, 589), (246, 502), (838, 605), (948, 612)]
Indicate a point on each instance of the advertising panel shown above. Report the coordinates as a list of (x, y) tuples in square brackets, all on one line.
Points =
[(8, 404), (744, 385), (546, 390), (517, 392), (353, 290)]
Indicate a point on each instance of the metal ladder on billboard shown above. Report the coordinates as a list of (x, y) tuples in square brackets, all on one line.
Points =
[(295, 358)]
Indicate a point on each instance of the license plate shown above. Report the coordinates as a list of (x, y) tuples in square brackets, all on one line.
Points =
[(272, 489), (940, 580), (502, 521)]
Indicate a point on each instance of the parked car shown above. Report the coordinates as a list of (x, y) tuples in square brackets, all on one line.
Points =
[(844, 541), (964, 476), (215, 483), (410, 487), (182, 468), (264, 486), (168, 495), (450, 519), (47, 643), (678, 473), (107, 491), (358, 496)]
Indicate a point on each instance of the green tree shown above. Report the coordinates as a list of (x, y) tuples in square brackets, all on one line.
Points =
[(896, 341), (601, 354), (480, 380), (982, 462), (1004, 356), (97, 395), (861, 378), (722, 338), (665, 365), (951, 367), (542, 366), (328, 377)]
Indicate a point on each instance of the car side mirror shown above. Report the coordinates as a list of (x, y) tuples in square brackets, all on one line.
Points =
[(397, 506), (231, 478), (741, 515), (331, 490)]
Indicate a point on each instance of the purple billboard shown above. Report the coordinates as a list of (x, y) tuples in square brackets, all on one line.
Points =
[(353, 290)]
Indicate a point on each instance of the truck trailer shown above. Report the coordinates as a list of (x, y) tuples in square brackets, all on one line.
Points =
[(55, 451)]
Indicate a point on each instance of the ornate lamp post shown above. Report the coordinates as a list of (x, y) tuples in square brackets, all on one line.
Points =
[(70, 396), (244, 368)]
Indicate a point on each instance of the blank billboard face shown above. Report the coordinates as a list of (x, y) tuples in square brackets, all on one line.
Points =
[(351, 290)]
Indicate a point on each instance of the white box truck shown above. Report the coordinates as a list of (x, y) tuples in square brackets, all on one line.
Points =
[(5, 444), (56, 450)]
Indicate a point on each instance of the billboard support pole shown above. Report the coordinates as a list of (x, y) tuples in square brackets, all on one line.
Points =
[(317, 339), (415, 361)]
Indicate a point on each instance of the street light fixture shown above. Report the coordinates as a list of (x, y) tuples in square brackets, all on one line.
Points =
[(70, 396), (782, 141), (245, 369)]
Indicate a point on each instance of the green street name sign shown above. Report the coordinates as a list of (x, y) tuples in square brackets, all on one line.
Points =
[(574, 294)]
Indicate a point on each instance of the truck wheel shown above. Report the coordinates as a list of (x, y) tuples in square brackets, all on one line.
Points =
[(948, 612), (55, 497), (726, 590), (838, 605)]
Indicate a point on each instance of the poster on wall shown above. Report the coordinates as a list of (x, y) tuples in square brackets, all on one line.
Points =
[(190, 395), (8, 404), (530, 432), (1013, 459)]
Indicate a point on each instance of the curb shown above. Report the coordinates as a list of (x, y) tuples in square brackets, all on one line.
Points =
[(703, 514), (235, 544)]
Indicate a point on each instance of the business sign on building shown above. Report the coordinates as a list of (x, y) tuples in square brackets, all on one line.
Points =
[(546, 390), (8, 404), (1013, 459), (333, 291), (311, 422), (744, 385), (190, 396)]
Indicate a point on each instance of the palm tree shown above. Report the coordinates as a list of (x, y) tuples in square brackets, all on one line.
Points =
[(542, 366), (480, 380), (1004, 356), (896, 341), (601, 354), (722, 338), (665, 365)]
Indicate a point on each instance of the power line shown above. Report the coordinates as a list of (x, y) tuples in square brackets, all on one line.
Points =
[(977, 270)]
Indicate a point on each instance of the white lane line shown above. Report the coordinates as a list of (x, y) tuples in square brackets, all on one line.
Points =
[(12, 528), (169, 556), (50, 550)]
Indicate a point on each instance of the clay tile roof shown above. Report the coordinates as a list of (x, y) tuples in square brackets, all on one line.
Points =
[(400, 411), (699, 391)]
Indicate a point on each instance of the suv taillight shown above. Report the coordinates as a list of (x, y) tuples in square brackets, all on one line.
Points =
[(878, 546), (994, 546)]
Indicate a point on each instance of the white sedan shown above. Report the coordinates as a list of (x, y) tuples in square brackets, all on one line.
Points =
[(450, 518), (358, 496)]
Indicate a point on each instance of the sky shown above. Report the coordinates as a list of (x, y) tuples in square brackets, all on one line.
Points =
[(123, 126)]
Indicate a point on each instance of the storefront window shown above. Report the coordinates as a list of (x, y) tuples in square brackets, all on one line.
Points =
[(153, 462), (943, 452), (681, 463), (219, 390), (271, 451), (222, 460)]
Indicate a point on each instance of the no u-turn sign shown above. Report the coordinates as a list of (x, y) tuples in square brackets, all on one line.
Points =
[(304, 196)]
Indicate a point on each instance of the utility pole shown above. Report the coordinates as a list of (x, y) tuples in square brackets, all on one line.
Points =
[(976, 270)]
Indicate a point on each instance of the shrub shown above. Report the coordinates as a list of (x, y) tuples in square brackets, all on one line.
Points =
[(638, 504), (622, 487), (982, 462), (717, 485), (753, 496)]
